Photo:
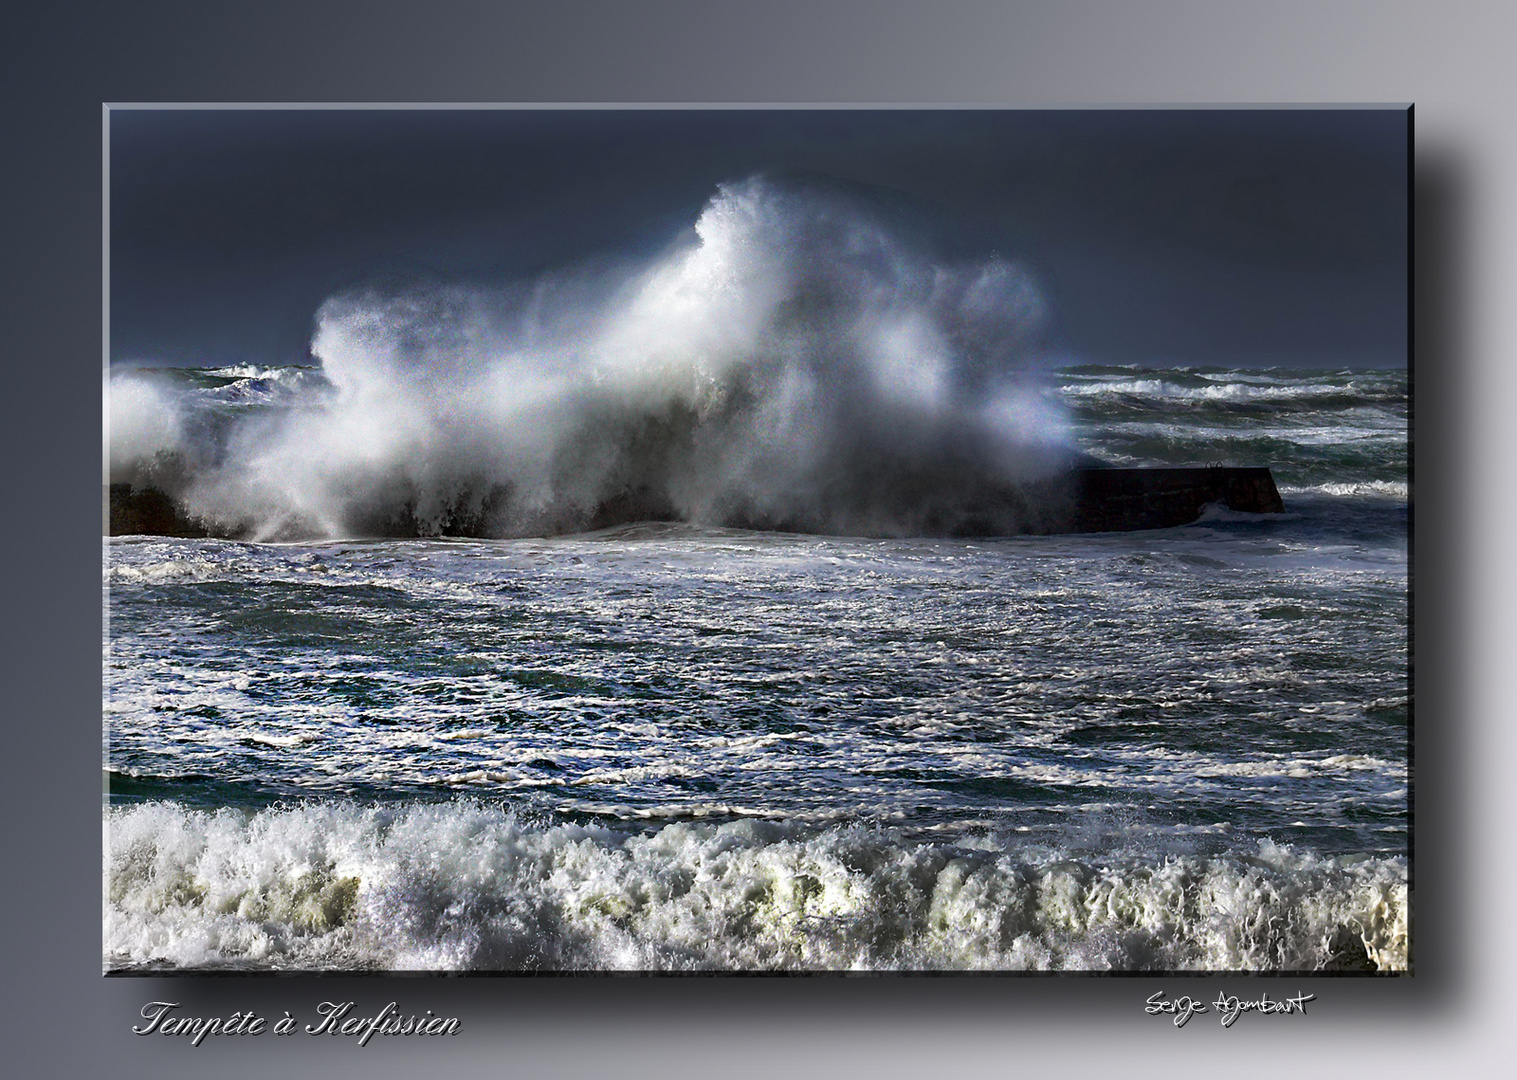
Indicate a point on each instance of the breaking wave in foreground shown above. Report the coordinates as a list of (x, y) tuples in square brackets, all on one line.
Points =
[(465, 886)]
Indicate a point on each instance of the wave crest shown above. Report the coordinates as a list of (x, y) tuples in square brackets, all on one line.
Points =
[(468, 887)]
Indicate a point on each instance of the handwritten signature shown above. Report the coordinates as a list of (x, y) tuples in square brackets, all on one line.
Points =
[(1229, 1006)]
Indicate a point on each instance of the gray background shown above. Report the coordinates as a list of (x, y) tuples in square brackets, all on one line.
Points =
[(1451, 59)]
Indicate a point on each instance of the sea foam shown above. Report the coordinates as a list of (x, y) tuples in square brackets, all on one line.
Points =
[(466, 886)]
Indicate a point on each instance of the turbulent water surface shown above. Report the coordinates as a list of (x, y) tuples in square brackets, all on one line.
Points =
[(687, 745), (682, 746)]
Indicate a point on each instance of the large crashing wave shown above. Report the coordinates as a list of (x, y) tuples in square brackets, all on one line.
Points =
[(799, 364)]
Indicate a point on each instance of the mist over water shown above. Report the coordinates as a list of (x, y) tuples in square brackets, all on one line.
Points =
[(798, 362)]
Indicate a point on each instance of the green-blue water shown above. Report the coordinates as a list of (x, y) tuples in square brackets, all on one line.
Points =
[(684, 746)]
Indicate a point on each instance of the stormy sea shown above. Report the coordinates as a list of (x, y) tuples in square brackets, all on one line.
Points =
[(421, 702)]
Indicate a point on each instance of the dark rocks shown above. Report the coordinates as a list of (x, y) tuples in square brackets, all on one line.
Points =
[(148, 511), (1081, 500)]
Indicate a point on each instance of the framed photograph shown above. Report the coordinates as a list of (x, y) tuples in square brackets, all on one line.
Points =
[(757, 541)]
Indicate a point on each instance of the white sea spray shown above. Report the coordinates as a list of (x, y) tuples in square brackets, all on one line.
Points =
[(793, 361)]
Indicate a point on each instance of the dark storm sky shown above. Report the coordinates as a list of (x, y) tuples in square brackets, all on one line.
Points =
[(1187, 237)]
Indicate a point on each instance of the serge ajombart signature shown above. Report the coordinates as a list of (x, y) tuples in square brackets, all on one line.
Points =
[(1228, 1006)]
